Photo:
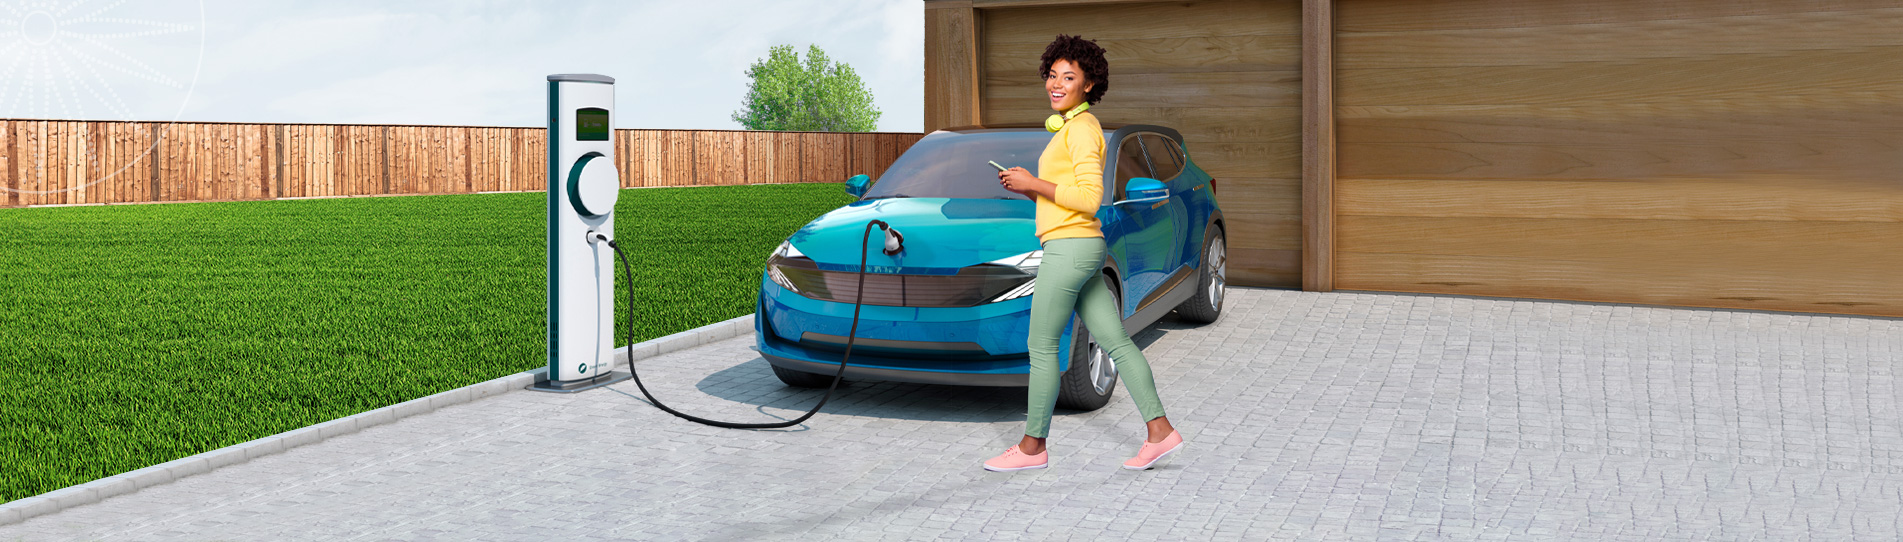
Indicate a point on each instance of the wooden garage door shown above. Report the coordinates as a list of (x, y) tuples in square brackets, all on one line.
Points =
[(1227, 74), (1719, 153)]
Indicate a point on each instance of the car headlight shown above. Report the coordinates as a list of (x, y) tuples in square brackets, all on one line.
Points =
[(1020, 291), (1026, 262), (786, 252)]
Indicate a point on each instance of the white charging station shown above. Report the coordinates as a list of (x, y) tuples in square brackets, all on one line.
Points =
[(582, 188)]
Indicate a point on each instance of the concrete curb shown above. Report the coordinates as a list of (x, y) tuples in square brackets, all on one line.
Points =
[(128, 482)]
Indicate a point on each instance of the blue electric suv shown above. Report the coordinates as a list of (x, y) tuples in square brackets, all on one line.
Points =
[(953, 306)]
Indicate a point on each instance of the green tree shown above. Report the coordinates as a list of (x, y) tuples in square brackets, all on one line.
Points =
[(817, 95)]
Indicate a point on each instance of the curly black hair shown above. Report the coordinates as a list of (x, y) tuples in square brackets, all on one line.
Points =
[(1086, 55)]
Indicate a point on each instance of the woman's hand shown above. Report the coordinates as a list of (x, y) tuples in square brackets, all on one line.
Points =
[(1021, 181)]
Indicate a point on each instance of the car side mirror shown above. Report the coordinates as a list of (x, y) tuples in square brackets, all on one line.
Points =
[(858, 184), (1144, 190)]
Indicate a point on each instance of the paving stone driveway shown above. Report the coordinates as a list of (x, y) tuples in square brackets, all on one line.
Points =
[(1309, 416)]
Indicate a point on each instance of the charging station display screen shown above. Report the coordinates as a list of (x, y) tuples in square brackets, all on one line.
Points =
[(591, 124)]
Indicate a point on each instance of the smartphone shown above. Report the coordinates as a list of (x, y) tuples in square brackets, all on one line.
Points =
[(995, 165)]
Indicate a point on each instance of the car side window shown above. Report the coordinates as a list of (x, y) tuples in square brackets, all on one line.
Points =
[(1164, 160), (1132, 162)]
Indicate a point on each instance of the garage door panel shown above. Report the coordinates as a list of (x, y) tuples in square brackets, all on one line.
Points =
[(1664, 282), (1722, 154), (1867, 160), (1234, 125), (1864, 75), (1260, 195), (1690, 38), (1144, 21), (1418, 15), (1223, 160), (1220, 89), (1267, 212), (1671, 199), (1264, 231), (1164, 55), (1265, 268), (1798, 247), (1770, 120), (1197, 124)]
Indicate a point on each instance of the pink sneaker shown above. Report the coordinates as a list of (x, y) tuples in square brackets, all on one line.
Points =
[(1154, 451), (1013, 459)]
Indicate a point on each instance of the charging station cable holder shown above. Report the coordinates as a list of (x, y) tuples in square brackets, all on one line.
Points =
[(583, 185)]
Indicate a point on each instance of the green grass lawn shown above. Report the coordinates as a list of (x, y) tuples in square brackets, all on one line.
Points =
[(134, 335)]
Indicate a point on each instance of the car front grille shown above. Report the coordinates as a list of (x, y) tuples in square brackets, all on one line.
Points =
[(972, 286)]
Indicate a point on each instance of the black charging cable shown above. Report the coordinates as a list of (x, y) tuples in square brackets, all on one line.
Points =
[(858, 298)]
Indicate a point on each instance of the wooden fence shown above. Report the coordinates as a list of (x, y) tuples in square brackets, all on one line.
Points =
[(46, 162)]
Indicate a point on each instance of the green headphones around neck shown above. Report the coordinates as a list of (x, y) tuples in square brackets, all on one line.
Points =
[(1056, 122)]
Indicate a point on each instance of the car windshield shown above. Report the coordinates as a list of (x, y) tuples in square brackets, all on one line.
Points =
[(954, 165)]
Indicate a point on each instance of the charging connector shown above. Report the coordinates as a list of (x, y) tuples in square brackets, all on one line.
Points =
[(894, 242)]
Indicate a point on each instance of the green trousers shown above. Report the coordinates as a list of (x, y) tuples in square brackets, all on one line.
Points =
[(1069, 280)]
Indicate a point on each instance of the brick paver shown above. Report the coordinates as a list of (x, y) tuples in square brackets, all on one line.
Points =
[(1309, 417)]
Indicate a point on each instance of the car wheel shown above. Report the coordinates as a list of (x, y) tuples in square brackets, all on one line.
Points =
[(802, 379), (1092, 375), (1206, 305)]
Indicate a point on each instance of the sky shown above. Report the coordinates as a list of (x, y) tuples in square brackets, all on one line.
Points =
[(677, 64)]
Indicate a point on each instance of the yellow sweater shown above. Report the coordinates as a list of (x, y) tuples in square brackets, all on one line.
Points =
[(1074, 162)]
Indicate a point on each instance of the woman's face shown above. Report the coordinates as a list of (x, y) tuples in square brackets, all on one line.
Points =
[(1066, 85)]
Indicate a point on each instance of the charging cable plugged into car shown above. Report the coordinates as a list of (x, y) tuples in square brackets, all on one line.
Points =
[(893, 244), (582, 190)]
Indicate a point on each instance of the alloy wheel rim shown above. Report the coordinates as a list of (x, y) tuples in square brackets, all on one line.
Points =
[(1103, 372), (1219, 273)]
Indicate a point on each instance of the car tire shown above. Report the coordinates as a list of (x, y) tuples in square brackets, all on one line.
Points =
[(1206, 305), (802, 379), (1092, 376)]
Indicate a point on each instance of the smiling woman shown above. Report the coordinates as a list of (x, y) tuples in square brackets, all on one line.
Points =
[(1071, 278)]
